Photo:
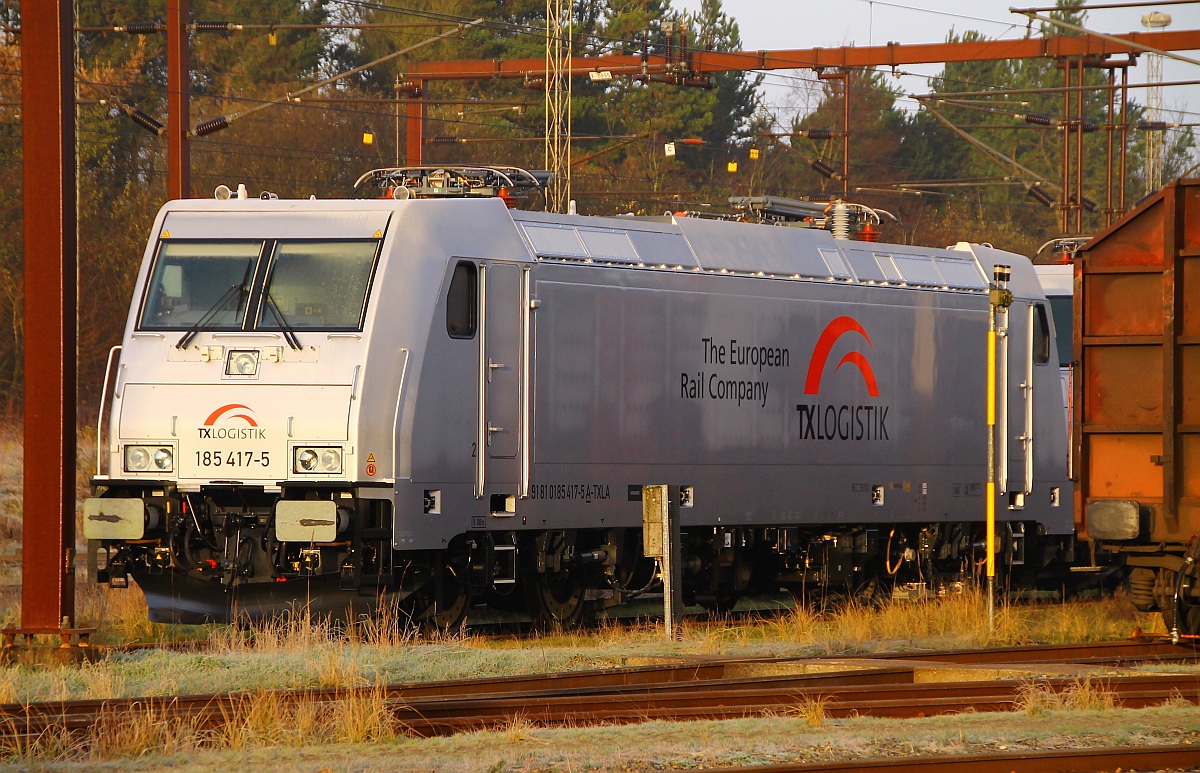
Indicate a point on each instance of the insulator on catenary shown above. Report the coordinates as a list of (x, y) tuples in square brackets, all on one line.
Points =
[(215, 26), (1088, 204), (145, 121), (143, 27), (212, 125), (1041, 119), (1087, 126), (817, 134), (823, 169), (1151, 126), (1043, 196)]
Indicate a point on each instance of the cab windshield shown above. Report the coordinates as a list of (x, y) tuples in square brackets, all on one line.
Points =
[(273, 284), (320, 285)]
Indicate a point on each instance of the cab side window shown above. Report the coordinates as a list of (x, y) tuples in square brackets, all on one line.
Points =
[(462, 300), (1041, 335)]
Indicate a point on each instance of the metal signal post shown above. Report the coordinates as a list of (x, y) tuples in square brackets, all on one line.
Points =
[(999, 299)]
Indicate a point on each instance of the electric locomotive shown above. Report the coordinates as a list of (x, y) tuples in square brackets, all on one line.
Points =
[(430, 399)]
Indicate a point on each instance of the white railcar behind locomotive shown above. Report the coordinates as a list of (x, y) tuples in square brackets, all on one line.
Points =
[(443, 401)]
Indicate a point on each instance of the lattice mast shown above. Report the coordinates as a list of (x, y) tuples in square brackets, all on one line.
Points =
[(559, 22), (1155, 140)]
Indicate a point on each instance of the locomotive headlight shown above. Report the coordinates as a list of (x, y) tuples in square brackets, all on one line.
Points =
[(137, 458), (164, 459), (306, 460), (331, 460), (241, 362), (327, 461), (149, 458)]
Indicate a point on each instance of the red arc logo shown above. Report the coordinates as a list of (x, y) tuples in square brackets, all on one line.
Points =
[(829, 336), (226, 411)]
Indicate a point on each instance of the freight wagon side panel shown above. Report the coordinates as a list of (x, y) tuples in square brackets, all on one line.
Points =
[(1137, 433)]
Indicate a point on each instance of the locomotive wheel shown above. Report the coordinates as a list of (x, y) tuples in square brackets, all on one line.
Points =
[(424, 609), (450, 614), (555, 598), (719, 603)]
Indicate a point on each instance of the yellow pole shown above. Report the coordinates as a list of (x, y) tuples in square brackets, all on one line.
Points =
[(991, 479), (999, 296)]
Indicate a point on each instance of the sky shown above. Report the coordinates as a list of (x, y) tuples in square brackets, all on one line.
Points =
[(784, 24)]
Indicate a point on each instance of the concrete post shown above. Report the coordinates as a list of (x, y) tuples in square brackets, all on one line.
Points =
[(661, 539)]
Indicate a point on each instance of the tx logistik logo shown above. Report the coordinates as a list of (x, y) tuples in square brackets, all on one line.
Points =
[(832, 421), (226, 413)]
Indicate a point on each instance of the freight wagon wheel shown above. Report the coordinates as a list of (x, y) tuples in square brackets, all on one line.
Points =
[(556, 598), (1179, 612), (1189, 619)]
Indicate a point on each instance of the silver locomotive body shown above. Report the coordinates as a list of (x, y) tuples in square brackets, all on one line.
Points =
[(439, 403)]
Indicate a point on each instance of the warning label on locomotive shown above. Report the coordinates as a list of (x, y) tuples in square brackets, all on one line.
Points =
[(730, 385), (584, 491)]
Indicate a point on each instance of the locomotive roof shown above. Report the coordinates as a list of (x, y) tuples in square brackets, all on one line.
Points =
[(687, 243), (667, 243)]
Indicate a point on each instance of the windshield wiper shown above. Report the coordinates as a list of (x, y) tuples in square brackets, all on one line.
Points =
[(216, 308), (289, 333)]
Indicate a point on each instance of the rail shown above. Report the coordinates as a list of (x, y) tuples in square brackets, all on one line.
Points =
[(715, 688)]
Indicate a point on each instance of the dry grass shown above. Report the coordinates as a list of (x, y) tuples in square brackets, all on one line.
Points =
[(137, 732), (1037, 698), (519, 729), (811, 710), (958, 621)]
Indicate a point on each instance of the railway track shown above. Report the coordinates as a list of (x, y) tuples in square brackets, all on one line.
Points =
[(1034, 761), (908, 685)]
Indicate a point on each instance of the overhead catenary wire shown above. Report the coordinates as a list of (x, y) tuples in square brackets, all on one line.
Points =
[(994, 155), (214, 124), (391, 101)]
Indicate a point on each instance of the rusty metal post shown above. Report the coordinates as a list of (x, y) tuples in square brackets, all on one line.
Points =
[(415, 125), (48, 146), (846, 135), (1124, 132), (1065, 199), (179, 86), (1079, 165), (397, 146), (1108, 156)]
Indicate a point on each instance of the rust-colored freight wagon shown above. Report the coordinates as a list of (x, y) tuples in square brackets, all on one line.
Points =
[(1137, 427)]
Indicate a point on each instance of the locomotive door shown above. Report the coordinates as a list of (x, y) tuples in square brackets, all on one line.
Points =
[(1017, 459), (500, 381)]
